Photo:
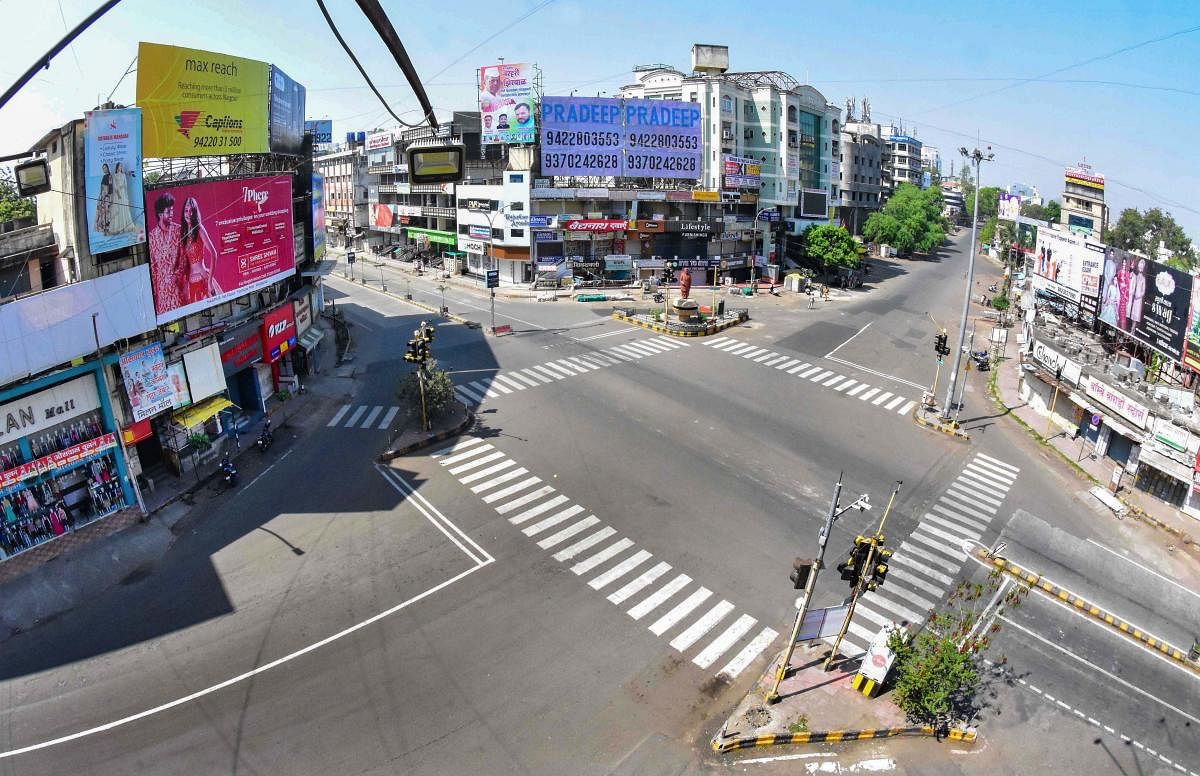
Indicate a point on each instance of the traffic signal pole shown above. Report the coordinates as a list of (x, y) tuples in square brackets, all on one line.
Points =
[(860, 581)]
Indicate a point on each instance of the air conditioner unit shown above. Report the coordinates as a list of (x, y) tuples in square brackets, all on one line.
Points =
[(727, 134)]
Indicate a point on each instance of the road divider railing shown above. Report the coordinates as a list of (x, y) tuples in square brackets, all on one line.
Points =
[(1049, 588), (731, 743)]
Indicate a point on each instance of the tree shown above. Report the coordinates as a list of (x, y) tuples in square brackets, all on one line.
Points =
[(831, 245), (13, 206), (911, 220), (1053, 211), (439, 392), (987, 232), (938, 669), (1144, 232), (989, 202), (1036, 212)]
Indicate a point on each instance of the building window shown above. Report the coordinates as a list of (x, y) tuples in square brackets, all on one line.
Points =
[(518, 177), (517, 232)]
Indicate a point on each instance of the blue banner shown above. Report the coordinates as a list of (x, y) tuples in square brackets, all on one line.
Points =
[(285, 128), (112, 158), (321, 130), (608, 137)]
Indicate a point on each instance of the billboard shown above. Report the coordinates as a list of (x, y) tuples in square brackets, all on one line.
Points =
[(506, 112), (213, 241), (1009, 207), (1085, 178), (147, 384), (1066, 265), (318, 216), (741, 172), (1026, 237), (814, 203), (602, 136), (200, 103), (1191, 343), (379, 140), (112, 159), (1147, 300), (285, 129), (322, 132)]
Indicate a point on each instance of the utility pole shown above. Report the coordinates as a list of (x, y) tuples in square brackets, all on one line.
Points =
[(862, 503), (1054, 399), (874, 547), (977, 157)]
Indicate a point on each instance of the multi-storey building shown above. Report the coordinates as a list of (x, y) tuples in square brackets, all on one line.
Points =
[(1083, 208), (931, 165), (347, 180), (860, 158), (1028, 194), (905, 161)]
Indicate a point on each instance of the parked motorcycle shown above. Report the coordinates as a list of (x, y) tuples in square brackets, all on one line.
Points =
[(658, 297), (229, 472), (982, 362), (265, 438), (993, 288)]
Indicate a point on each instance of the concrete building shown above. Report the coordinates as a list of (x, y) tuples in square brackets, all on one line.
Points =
[(860, 158), (1083, 208), (904, 164), (954, 205), (1027, 193), (347, 181), (931, 163)]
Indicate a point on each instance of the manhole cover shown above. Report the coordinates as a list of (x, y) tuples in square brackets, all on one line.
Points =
[(758, 717)]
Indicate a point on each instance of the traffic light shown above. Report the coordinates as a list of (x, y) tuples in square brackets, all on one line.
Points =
[(939, 344), (801, 569), (880, 568), (411, 353)]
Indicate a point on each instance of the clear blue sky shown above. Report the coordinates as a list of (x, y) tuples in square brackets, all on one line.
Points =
[(1140, 134)]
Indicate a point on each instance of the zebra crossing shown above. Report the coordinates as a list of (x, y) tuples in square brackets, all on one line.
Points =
[(925, 563), (814, 373), (364, 416), (500, 384), (670, 602)]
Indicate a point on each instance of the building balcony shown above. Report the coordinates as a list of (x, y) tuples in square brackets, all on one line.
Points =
[(375, 169), (21, 244), (387, 188)]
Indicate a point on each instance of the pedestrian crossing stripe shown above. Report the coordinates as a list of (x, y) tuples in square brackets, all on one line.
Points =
[(377, 417), (927, 561), (682, 611)]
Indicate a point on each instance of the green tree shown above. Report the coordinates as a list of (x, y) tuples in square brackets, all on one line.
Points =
[(1053, 211), (831, 245), (439, 392), (1030, 210), (13, 206), (911, 220), (1144, 232), (987, 232), (989, 202), (938, 670)]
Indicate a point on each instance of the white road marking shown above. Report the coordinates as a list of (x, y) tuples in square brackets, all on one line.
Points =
[(605, 334), (881, 398), (775, 361), (859, 387), (847, 342), (499, 386), (470, 453), (930, 557), (462, 444), (846, 385), (476, 463), (358, 413), (655, 599), (568, 532), (869, 394), (521, 501), (506, 379), (748, 653), (512, 475), (788, 363), (543, 379), (583, 544), (693, 632), (387, 419), (721, 644), (679, 611), (334, 420), (608, 553), (928, 571), (966, 533), (907, 408), (876, 372), (966, 492), (552, 521), (996, 461), (1143, 568), (620, 570), (808, 372), (834, 379), (489, 471), (542, 508), (891, 405), (819, 377), (793, 370), (632, 587), (977, 520), (511, 489)]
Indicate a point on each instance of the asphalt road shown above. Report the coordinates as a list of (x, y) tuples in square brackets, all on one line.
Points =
[(441, 616)]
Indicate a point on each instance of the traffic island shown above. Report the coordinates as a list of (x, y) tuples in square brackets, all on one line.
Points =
[(458, 418), (818, 707), (678, 328), (927, 417)]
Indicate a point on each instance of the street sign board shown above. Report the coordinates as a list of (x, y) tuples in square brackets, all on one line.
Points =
[(493, 278), (821, 623), (769, 215), (349, 257), (879, 658)]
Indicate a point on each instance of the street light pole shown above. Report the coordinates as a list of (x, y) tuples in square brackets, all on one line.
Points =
[(977, 157)]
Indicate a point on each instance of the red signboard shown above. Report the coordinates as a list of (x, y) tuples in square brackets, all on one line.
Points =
[(278, 332), (597, 225), (383, 215), (136, 432), (214, 241), (64, 457)]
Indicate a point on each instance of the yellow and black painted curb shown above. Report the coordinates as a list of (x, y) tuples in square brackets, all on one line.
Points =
[(389, 455), (833, 736), (663, 329), (945, 428), (862, 684), (1047, 587)]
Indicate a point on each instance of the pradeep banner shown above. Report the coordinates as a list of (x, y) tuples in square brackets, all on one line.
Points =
[(112, 158), (200, 103), (506, 103), (213, 241), (1147, 300), (286, 125), (147, 383)]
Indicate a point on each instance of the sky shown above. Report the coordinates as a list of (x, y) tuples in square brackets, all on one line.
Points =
[(1111, 79)]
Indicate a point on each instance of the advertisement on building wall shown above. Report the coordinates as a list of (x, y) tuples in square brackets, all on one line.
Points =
[(200, 103), (285, 125), (1149, 301), (181, 395), (1009, 207), (45, 409), (1027, 237), (603, 136), (1133, 411), (318, 216), (1065, 266), (322, 132), (741, 172), (814, 203), (278, 332), (1084, 177), (383, 215), (379, 140), (1191, 344), (596, 225), (506, 103), (213, 241), (112, 159), (146, 382)]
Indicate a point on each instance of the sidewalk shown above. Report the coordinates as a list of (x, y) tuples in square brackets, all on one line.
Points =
[(1181, 527)]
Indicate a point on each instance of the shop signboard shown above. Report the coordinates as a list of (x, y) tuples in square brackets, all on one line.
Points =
[(614, 262), (278, 332), (181, 395), (1053, 360), (200, 103), (604, 136), (214, 241), (112, 158), (471, 246), (240, 349), (1008, 207), (302, 308), (38, 412), (407, 210), (542, 236), (285, 126), (146, 383), (1147, 300), (65, 457), (1171, 435), (506, 103), (741, 172), (693, 229), (479, 231), (378, 141), (1121, 404), (596, 225), (540, 222)]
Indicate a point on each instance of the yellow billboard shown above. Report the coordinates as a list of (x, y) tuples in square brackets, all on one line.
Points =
[(200, 103)]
